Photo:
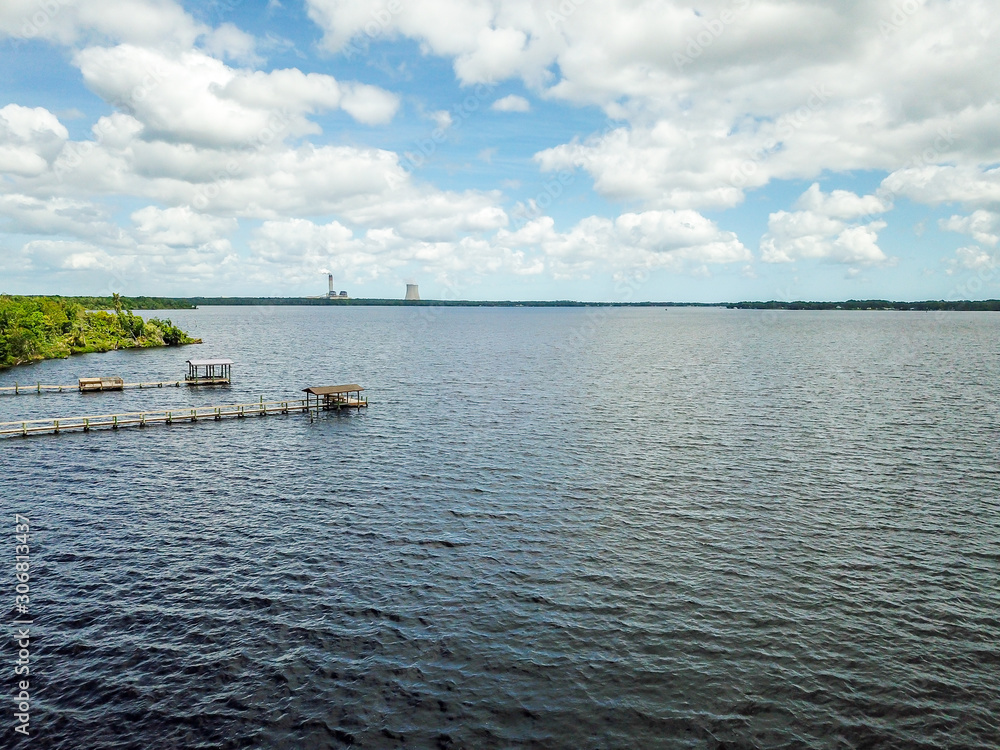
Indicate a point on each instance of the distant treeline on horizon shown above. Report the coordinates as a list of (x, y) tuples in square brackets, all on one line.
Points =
[(989, 305), (394, 302), (188, 303), (109, 303)]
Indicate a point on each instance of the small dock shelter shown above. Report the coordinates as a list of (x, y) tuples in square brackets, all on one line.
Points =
[(335, 397), (209, 371)]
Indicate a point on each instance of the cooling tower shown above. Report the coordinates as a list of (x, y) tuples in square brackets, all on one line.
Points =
[(412, 293)]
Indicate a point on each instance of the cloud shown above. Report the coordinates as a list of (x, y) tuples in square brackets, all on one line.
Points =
[(227, 41), (709, 104), (982, 226), (366, 187), (702, 109), (68, 255), (681, 241), (937, 184), (25, 214), (195, 98), (369, 104), (793, 236), (200, 190), (301, 249), (511, 103), (131, 269), (971, 259), (145, 22), (179, 226), (662, 168), (820, 230), (30, 139), (442, 118), (431, 215), (447, 27), (497, 54), (840, 204)]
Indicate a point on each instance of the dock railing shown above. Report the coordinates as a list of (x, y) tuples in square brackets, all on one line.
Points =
[(162, 416), (22, 390)]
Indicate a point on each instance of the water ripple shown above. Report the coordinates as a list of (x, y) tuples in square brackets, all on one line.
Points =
[(683, 528)]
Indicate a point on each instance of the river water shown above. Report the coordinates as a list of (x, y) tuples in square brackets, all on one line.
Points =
[(552, 528)]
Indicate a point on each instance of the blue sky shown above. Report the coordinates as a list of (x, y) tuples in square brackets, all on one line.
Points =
[(501, 149)]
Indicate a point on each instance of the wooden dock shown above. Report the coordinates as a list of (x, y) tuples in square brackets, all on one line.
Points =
[(21, 390), (260, 408), (200, 372)]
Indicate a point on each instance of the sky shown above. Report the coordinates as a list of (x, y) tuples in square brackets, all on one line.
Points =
[(600, 150)]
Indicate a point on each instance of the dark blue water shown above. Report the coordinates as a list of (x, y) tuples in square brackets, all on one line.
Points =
[(564, 528)]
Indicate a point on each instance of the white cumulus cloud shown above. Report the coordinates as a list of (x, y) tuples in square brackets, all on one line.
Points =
[(180, 226), (820, 230), (714, 101), (511, 103), (971, 258), (982, 226), (30, 139), (195, 98)]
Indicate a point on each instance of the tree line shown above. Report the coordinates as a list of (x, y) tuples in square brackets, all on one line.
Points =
[(989, 305)]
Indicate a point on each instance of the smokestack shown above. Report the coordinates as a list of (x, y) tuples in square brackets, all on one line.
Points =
[(412, 293), (331, 284)]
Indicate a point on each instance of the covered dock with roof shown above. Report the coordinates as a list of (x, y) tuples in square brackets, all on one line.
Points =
[(335, 397)]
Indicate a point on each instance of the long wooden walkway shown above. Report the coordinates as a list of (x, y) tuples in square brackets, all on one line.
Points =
[(168, 416), (23, 390)]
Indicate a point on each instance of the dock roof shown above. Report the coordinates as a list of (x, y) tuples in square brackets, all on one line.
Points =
[(329, 390), (209, 362)]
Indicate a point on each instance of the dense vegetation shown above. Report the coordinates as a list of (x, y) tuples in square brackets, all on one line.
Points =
[(130, 303), (36, 328)]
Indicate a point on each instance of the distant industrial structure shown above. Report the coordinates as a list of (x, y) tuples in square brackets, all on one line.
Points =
[(332, 294), (412, 293)]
